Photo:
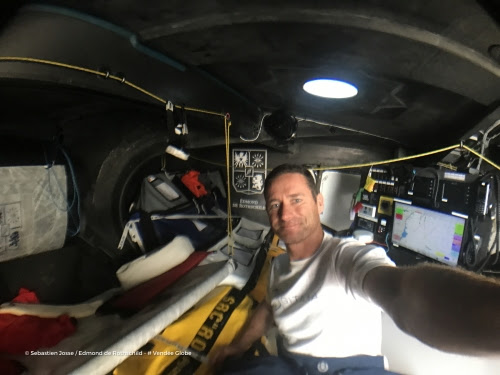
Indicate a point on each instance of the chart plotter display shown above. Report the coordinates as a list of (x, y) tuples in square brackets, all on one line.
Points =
[(434, 234)]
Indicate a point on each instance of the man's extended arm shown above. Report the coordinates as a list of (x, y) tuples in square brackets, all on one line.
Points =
[(446, 308), (255, 328)]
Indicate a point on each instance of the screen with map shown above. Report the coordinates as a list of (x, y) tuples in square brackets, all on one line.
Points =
[(430, 233)]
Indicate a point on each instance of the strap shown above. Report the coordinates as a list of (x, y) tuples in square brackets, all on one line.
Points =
[(213, 326)]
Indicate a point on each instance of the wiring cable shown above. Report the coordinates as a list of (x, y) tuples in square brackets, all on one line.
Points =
[(470, 250), (76, 193), (304, 119), (341, 127), (494, 136), (497, 197), (260, 129), (496, 180), (387, 242), (476, 146), (482, 157), (51, 175), (486, 140)]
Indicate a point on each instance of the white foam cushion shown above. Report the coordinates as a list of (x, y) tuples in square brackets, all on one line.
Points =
[(155, 263)]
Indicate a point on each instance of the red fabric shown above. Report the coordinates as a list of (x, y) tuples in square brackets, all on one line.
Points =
[(19, 334), (26, 296), (26, 332), (139, 296), (190, 179)]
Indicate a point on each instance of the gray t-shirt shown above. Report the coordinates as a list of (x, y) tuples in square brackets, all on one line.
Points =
[(318, 303)]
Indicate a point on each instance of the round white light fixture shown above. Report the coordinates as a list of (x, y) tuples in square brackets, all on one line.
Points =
[(330, 88)]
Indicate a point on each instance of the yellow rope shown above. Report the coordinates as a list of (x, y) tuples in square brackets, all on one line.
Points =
[(54, 63), (387, 161), (143, 91), (203, 111), (227, 125), (105, 75)]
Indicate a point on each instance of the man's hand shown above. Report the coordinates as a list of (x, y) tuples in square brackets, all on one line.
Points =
[(449, 309), (257, 326), (217, 359)]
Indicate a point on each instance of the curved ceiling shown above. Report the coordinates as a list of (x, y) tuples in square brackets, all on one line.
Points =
[(426, 71)]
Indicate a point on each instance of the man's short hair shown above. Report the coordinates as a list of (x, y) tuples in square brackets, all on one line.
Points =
[(291, 168)]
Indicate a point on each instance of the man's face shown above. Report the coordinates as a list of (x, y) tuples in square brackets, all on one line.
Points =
[(293, 211)]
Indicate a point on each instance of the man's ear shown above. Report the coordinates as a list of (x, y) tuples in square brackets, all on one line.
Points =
[(320, 202)]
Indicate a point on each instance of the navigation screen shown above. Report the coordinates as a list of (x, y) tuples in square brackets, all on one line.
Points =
[(430, 233)]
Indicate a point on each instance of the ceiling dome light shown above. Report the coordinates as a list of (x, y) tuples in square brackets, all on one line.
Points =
[(330, 88)]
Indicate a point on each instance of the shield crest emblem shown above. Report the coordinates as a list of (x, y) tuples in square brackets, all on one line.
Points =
[(249, 170)]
